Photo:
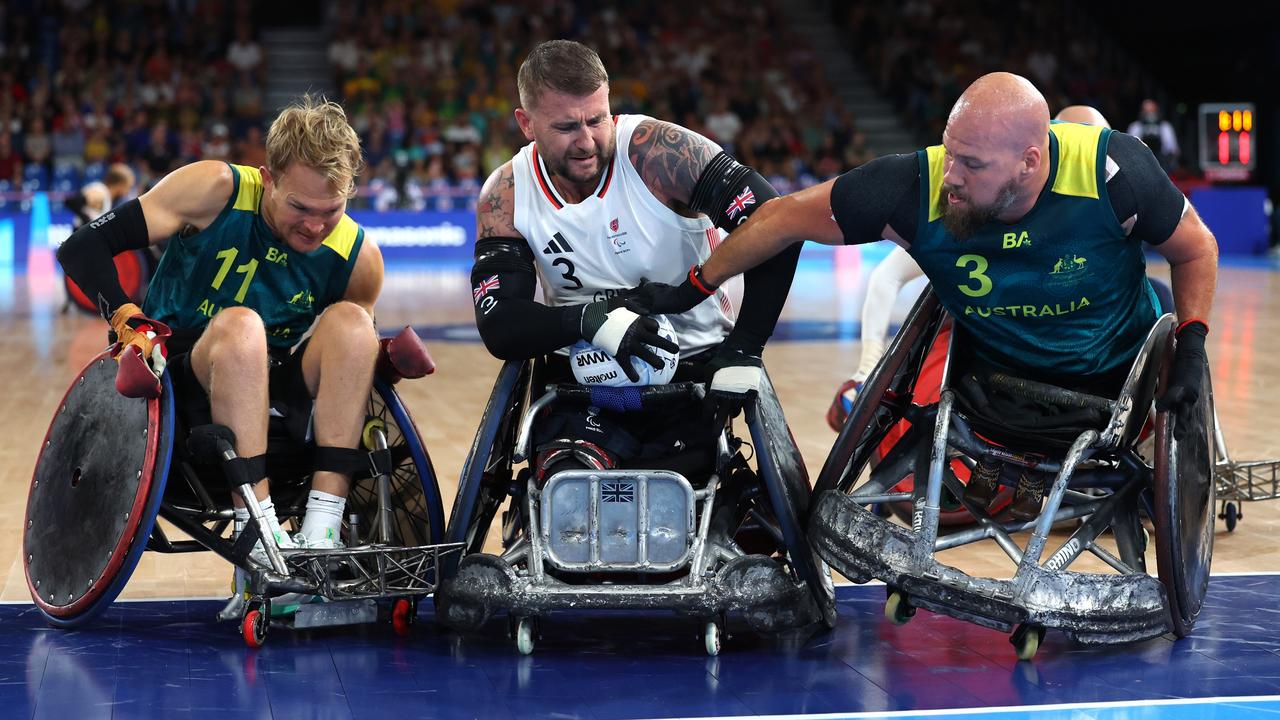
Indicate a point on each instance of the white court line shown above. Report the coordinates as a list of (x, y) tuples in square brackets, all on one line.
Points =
[(1001, 710)]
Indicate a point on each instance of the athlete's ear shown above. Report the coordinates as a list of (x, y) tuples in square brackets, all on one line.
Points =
[(1031, 159), (525, 121)]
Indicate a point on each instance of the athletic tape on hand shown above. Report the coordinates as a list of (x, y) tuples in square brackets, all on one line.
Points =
[(609, 336), (737, 379)]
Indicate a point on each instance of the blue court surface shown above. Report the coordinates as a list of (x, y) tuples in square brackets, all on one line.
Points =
[(170, 659)]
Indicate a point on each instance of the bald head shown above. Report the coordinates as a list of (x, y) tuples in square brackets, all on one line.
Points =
[(1004, 110), (997, 143), (1082, 114)]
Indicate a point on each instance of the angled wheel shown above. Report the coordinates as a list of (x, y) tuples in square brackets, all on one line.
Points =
[(1184, 506), (98, 483), (787, 485), (416, 507), (482, 486)]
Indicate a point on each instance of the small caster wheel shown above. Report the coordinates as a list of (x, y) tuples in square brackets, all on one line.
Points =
[(403, 614), (254, 626), (711, 637), (898, 609), (1232, 515), (524, 636), (1026, 640)]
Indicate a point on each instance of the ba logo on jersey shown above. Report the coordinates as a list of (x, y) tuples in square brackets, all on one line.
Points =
[(613, 225)]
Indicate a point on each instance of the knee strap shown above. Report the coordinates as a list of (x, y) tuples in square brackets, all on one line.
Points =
[(245, 470), (345, 461)]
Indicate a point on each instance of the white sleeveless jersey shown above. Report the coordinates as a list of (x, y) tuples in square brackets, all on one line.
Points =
[(590, 250)]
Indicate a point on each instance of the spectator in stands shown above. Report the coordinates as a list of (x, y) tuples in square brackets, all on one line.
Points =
[(244, 53), (1157, 133), (37, 148), (10, 160)]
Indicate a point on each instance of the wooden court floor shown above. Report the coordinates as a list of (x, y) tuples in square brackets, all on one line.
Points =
[(814, 349)]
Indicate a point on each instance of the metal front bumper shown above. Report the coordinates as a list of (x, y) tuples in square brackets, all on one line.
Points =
[(1089, 608), (754, 585)]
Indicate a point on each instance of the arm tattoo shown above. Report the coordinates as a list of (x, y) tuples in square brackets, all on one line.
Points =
[(495, 209), (669, 159)]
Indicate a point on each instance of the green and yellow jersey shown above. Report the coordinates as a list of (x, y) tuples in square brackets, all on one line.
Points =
[(238, 261), (1062, 290)]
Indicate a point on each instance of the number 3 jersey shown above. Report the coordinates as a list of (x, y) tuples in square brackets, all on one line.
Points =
[(613, 239), (238, 261)]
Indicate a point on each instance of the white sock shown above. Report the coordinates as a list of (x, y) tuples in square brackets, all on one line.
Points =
[(242, 519), (269, 511), (324, 516)]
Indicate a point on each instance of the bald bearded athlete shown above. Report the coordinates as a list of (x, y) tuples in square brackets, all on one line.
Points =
[(1031, 234)]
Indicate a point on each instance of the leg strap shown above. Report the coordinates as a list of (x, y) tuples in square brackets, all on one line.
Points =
[(245, 470), (343, 461)]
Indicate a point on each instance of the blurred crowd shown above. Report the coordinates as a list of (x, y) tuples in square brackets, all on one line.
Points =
[(430, 85), (152, 83), (923, 53)]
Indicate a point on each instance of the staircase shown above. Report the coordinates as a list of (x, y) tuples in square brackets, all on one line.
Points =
[(873, 115)]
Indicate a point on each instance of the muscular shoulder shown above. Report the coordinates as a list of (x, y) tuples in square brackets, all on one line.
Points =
[(495, 209), (669, 158), (365, 284), (191, 195)]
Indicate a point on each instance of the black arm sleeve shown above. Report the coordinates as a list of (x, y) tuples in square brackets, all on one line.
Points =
[(885, 191), (1142, 188), (86, 255), (512, 324), (719, 193)]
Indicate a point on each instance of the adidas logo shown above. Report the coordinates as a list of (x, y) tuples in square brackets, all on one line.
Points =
[(557, 246)]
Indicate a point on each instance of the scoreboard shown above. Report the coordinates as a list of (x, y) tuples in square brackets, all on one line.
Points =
[(1228, 149)]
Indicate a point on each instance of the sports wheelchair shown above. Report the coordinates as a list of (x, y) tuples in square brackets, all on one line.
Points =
[(725, 538), (1103, 476), (111, 465)]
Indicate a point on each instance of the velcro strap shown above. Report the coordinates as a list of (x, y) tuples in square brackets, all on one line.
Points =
[(344, 461), (245, 470)]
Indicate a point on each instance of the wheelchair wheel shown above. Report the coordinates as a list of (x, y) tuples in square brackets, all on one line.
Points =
[(787, 485), (95, 494), (482, 488), (417, 510), (881, 405), (1184, 507)]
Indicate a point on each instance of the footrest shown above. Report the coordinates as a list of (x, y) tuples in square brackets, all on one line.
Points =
[(1090, 608), (371, 571)]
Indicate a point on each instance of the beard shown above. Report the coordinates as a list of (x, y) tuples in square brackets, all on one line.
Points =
[(562, 166), (963, 222)]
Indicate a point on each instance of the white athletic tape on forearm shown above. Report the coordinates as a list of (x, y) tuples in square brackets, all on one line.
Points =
[(737, 379), (609, 337)]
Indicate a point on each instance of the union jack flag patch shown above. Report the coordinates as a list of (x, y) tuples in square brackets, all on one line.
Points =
[(479, 291), (740, 203), (617, 492)]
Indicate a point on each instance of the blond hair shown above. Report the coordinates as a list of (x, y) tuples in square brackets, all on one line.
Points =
[(315, 132)]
